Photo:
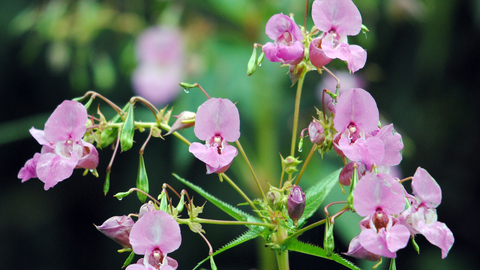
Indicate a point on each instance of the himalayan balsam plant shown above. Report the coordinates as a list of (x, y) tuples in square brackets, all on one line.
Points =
[(348, 126)]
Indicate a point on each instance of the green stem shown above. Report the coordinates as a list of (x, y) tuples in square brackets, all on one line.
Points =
[(239, 191), (296, 113), (304, 229), (295, 116), (310, 155), (282, 259), (233, 222), (251, 168)]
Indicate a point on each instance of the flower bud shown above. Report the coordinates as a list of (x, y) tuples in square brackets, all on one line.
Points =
[(296, 203), (145, 208), (185, 119), (328, 241), (316, 132), (273, 197), (118, 229), (290, 164)]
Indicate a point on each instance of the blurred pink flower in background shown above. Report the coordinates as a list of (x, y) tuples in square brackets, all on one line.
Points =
[(160, 56)]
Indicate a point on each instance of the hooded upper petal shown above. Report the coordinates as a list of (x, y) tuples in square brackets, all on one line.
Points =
[(376, 191), (426, 189), (156, 229), (337, 14), (356, 106), (68, 121), (217, 116)]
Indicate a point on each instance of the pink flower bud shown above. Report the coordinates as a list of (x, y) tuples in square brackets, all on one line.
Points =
[(185, 120), (118, 229), (316, 133), (296, 203)]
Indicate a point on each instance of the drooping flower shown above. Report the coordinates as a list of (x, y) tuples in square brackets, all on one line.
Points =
[(217, 122), (118, 229), (421, 216), (337, 19), (63, 147), (316, 132), (287, 46), (160, 56), (155, 235), (356, 116), (378, 197)]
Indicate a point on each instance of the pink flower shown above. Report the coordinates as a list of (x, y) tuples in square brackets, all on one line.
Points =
[(161, 63), (337, 19), (287, 36), (217, 122), (378, 197), (356, 117), (63, 148), (118, 229), (155, 235), (421, 216)]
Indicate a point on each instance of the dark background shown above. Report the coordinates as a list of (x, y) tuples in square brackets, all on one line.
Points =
[(422, 69)]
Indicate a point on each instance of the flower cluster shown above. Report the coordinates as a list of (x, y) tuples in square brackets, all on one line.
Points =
[(63, 148), (154, 235), (337, 19)]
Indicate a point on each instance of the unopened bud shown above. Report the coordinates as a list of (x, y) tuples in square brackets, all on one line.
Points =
[(296, 203), (118, 229), (290, 164), (273, 198), (185, 120), (328, 241)]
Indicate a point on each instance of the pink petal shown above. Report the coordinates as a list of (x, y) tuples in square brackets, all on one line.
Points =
[(316, 53), (211, 157), (29, 170), (356, 106), (279, 24), (217, 117), (439, 235), (426, 188), (357, 59), (89, 159), (155, 229), (292, 54), (356, 250), (397, 237), (375, 242), (393, 145), (270, 51), (52, 168), (375, 191), (334, 14), (368, 151), (39, 135), (68, 121)]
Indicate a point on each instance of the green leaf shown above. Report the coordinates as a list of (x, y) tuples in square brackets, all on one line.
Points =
[(315, 195), (248, 235), (225, 207), (295, 245)]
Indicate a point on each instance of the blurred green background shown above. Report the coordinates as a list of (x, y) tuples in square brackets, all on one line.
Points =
[(422, 69)]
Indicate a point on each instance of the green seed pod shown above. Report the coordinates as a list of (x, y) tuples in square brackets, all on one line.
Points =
[(128, 130), (142, 180), (252, 63)]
